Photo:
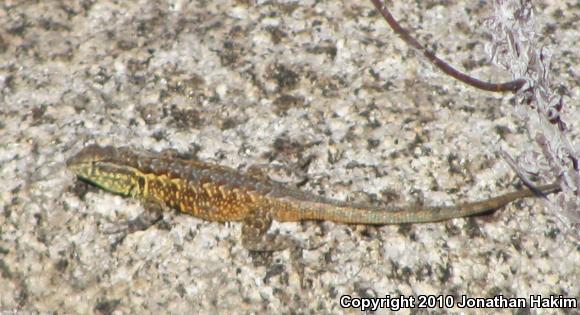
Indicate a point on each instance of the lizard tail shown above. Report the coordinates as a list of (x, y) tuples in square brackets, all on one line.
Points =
[(343, 213)]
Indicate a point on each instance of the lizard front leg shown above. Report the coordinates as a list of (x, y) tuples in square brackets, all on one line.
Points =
[(152, 215)]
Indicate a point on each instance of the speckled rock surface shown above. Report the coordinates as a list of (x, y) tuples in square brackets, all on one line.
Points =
[(324, 87)]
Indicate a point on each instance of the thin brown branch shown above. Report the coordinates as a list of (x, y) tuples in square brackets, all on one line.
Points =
[(512, 86)]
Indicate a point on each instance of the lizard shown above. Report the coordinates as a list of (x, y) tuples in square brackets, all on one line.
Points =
[(218, 193)]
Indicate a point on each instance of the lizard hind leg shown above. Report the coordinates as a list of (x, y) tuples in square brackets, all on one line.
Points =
[(255, 236)]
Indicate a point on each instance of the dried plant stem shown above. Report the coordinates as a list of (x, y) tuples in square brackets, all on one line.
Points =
[(516, 49), (512, 86)]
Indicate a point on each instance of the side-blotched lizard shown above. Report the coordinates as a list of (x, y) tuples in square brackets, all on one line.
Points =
[(217, 193)]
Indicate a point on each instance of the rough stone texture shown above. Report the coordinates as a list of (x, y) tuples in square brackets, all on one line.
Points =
[(323, 87)]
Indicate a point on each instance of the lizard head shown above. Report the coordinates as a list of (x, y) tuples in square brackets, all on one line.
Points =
[(103, 167)]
